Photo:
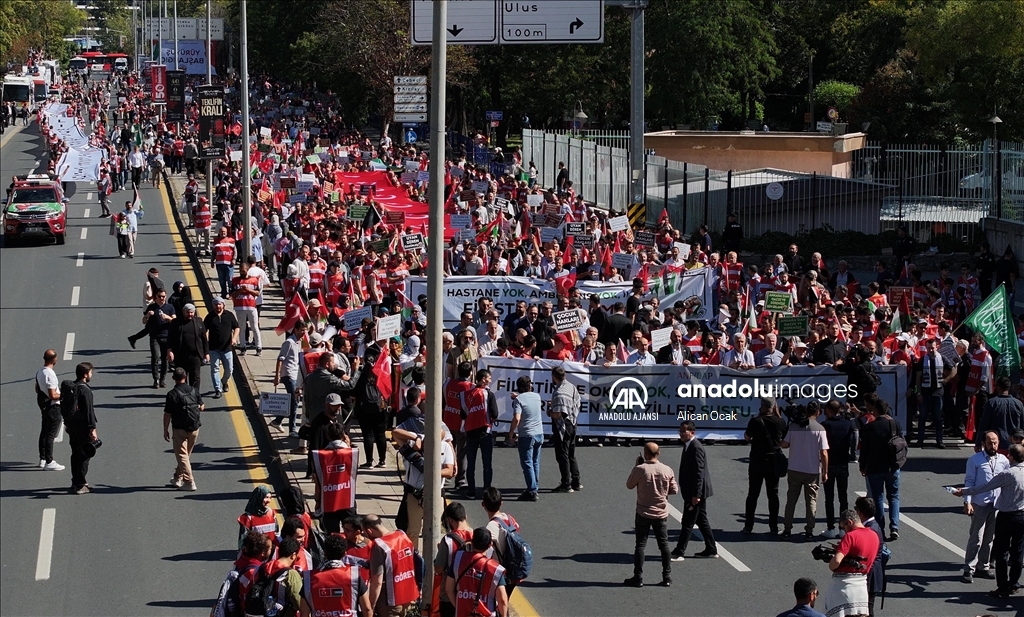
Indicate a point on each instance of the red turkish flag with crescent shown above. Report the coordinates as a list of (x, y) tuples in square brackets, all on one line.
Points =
[(295, 310)]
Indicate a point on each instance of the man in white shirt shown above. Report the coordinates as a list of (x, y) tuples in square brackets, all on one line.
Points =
[(981, 467), (488, 335), (137, 161), (48, 399), (739, 356)]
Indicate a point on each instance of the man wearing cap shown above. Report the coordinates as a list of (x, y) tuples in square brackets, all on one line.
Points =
[(187, 345), (321, 383), (221, 336)]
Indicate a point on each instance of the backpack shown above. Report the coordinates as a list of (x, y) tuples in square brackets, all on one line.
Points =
[(68, 401), (191, 404), (895, 448), (260, 600), (228, 603), (517, 558)]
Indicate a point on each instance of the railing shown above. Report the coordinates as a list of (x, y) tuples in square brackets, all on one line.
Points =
[(599, 173)]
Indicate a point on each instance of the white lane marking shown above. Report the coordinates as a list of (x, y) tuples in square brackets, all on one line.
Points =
[(726, 555), (45, 544), (88, 197), (69, 346), (75, 291), (85, 232), (60, 433), (80, 260), (85, 213), (928, 533)]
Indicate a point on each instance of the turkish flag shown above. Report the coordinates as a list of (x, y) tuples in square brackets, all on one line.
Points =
[(382, 371), (295, 311), (565, 283)]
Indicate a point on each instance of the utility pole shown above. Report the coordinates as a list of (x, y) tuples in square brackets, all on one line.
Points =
[(433, 503), (243, 86), (636, 100), (209, 82), (175, 35), (135, 35), (810, 93)]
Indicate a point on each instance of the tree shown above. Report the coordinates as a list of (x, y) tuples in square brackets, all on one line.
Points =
[(838, 94), (38, 25)]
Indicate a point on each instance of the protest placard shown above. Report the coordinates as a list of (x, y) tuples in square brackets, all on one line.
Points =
[(389, 327), (461, 221), (644, 238), (896, 296), (623, 262), (534, 200), (288, 182), (353, 318), (358, 212), (412, 242), (567, 320), (660, 338), (481, 186), (778, 302), (394, 218), (793, 326), (618, 223), (550, 234)]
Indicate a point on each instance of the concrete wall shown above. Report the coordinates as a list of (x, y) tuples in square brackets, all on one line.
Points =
[(802, 152)]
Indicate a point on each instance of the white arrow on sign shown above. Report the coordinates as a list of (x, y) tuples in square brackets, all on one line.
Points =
[(411, 108), (410, 80), (410, 117), (410, 98), (470, 22), (410, 89)]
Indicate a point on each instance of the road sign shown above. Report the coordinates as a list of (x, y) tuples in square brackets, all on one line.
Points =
[(411, 89), (411, 108), (494, 115), (216, 29), (410, 117), (186, 28), (581, 21), (410, 98), (410, 80), (470, 22), (833, 114)]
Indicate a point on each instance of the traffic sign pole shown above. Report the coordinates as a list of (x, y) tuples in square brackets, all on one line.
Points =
[(636, 99), (432, 500)]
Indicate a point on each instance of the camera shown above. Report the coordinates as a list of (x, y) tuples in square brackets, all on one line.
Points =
[(797, 414), (823, 552)]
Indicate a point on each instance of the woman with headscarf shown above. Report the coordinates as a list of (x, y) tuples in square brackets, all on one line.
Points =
[(259, 515), (271, 235)]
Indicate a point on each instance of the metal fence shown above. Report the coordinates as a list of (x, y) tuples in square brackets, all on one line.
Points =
[(599, 173), (612, 138)]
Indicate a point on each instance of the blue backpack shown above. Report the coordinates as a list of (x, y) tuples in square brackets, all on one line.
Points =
[(517, 558)]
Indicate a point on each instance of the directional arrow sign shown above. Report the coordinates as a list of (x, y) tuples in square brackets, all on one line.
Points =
[(411, 108), (410, 117), (410, 80), (470, 22), (399, 98), (580, 21), (410, 89)]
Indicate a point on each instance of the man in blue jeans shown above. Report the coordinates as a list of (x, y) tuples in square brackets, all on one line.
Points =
[(527, 419), (221, 333), (876, 464), (286, 373)]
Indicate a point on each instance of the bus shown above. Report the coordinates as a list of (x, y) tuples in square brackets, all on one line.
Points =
[(39, 89), (103, 62), (18, 89)]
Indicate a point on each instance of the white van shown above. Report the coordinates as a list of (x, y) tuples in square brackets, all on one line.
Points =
[(121, 65)]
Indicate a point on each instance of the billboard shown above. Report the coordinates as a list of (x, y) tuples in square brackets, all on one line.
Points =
[(158, 84), (175, 96), (212, 129)]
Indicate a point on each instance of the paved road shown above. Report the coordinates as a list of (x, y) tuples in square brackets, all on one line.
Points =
[(133, 547), (583, 542)]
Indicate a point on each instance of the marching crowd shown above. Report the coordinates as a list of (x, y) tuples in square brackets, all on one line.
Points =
[(329, 246)]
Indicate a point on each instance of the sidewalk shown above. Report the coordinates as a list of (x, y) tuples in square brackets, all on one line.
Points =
[(378, 491)]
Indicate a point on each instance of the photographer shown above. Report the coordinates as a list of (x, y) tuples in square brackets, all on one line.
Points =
[(849, 563), (409, 435), (860, 373)]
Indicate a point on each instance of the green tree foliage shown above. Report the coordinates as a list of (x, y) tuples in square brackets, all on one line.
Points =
[(838, 94), (29, 24)]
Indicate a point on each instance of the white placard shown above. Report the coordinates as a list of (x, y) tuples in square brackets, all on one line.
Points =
[(354, 317), (389, 327), (275, 404), (660, 338), (481, 186), (236, 155), (623, 262), (618, 223), (684, 249), (550, 234), (534, 201), (568, 320), (423, 176), (265, 131)]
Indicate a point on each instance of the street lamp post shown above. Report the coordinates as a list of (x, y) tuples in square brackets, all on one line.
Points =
[(997, 167)]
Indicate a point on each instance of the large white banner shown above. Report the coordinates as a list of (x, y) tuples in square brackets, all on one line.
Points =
[(651, 401), (191, 56), (461, 293), (80, 165)]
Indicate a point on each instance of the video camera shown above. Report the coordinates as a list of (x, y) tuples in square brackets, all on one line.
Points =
[(823, 552)]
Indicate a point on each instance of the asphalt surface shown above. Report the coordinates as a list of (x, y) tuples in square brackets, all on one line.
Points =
[(134, 546), (583, 542)]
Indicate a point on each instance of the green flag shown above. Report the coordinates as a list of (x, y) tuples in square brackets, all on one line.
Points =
[(994, 321)]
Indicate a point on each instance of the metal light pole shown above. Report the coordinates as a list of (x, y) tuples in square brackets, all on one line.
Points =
[(636, 100), (997, 168), (162, 11), (135, 36), (433, 503), (811, 125), (175, 35), (209, 82), (246, 171)]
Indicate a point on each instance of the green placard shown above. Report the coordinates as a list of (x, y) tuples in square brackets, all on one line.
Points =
[(358, 213), (778, 302), (264, 148), (313, 159), (381, 246), (794, 326), (319, 149), (335, 197)]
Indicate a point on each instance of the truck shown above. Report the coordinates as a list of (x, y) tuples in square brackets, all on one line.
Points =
[(19, 90)]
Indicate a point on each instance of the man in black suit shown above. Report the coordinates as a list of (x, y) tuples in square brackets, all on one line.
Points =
[(675, 352), (618, 327), (695, 489)]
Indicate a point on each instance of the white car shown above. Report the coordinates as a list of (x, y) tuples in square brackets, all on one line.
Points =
[(980, 183)]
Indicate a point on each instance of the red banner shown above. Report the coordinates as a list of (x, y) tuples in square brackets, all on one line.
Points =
[(158, 83)]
